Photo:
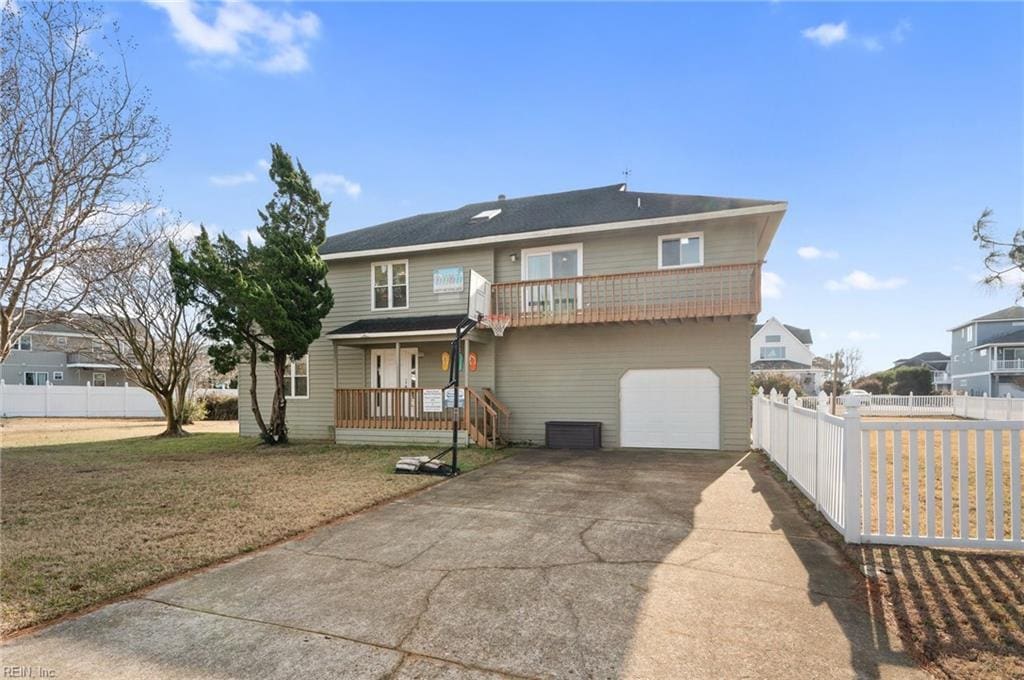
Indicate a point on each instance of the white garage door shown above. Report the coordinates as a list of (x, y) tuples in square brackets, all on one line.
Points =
[(669, 408)]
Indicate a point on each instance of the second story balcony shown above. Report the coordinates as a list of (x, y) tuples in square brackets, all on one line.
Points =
[(665, 294), (1007, 366)]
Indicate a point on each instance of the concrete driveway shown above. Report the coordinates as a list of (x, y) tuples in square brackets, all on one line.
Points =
[(548, 564)]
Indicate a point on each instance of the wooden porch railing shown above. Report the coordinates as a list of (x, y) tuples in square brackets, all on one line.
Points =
[(692, 292), (401, 408)]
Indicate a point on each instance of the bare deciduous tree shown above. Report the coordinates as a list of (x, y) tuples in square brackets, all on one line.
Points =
[(844, 366), (133, 312), (75, 138)]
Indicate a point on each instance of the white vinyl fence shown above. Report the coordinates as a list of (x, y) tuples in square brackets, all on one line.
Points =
[(928, 482), (75, 401), (961, 405)]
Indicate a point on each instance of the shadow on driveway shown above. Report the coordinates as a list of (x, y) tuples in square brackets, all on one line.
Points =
[(548, 564)]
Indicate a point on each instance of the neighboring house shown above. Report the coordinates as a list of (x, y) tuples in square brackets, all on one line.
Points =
[(937, 362), (62, 355), (776, 347), (626, 308), (987, 354)]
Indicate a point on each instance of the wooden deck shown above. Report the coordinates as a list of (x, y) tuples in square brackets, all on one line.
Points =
[(483, 416), (685, 293)]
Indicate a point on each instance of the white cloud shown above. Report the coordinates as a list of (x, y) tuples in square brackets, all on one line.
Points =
[(861, 336), (328, 183), (814, 253), (232, 180), (771, 285), (826, 35), (859, 280), (239, 32), (263, 164)]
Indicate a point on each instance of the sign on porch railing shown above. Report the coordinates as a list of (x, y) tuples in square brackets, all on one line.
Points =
[(76, 401), (909, 482)]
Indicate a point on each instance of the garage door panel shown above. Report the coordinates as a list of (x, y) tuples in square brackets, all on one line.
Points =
[(670, 408)]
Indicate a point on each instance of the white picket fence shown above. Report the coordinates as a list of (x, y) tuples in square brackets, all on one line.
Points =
[(928, 482), (76, 401), (961, 405)]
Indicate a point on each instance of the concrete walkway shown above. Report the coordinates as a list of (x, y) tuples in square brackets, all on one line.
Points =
[(548, 564)]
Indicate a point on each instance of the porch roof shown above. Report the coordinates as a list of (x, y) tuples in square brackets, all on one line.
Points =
[(443, 324)]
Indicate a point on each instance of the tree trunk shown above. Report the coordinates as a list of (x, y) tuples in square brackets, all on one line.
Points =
[(171, 417), (254, 401), (278, 425)]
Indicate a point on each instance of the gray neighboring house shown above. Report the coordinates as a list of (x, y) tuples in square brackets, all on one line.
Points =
[(62, 355), (987, 354), (936, 361)]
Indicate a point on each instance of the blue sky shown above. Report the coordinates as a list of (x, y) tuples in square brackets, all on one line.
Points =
[(887, 127)]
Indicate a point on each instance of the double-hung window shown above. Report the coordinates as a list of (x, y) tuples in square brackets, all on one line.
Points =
[(24, 343), (296, 379), (680, 250), (390, 283)]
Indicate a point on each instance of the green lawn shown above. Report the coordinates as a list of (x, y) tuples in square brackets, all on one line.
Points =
[(85, 522)]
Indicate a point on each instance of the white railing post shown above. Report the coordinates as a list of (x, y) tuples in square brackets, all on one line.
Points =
[(88, 397), (851, 473), (773, 396), (790, 401), (46, 398), (124, 400), (910, 404), (2, 411), (1009, 408), (819, 418), (984, 406), (759, 419)]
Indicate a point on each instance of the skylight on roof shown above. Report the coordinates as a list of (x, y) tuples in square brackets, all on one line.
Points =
[(485, 215)]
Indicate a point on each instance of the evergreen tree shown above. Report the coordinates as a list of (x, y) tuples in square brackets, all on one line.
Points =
[(265, 302)]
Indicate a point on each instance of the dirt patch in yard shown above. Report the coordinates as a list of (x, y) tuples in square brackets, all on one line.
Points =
[(959, 612), (86, 522)]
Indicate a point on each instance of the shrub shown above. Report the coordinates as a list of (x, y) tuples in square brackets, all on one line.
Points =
[(869, 384), (194, 411), (781, 382), (906, 379), (222, 408)]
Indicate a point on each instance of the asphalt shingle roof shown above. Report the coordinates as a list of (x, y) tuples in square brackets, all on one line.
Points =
[(777, 365), (1012, 313), (801, 334), (936, 360), (401, 324), (531, 213)]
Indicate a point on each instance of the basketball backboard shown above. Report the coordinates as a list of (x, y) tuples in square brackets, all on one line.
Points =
[(479, 296)]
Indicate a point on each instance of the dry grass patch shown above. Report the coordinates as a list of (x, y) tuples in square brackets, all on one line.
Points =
[(18, 432), (82, 523)]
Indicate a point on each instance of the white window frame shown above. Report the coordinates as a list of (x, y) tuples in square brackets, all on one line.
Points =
[(391, 284), (289, 376), (670, 237), (99, 374), (58, 376), (550, 250), (773, 347), (21, 341), (768, 338)]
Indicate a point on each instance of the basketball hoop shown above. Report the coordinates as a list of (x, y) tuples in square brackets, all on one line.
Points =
[(497, 323)]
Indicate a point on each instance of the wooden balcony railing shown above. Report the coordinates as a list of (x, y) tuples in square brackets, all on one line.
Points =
[(690, 293), (401, 408)]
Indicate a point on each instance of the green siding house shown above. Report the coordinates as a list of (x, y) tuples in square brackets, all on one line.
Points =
[(626, 308)]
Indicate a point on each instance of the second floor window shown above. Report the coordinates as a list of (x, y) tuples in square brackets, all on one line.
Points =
[(681, 250), (773, 338), (773, 352), (24, 343), (390, 285)]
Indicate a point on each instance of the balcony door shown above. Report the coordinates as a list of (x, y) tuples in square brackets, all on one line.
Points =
[(385, 372), (543, 265)]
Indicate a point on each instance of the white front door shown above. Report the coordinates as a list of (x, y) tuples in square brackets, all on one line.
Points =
[(384, 372)]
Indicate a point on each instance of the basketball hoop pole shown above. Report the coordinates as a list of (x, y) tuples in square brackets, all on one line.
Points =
[(461, 331)]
